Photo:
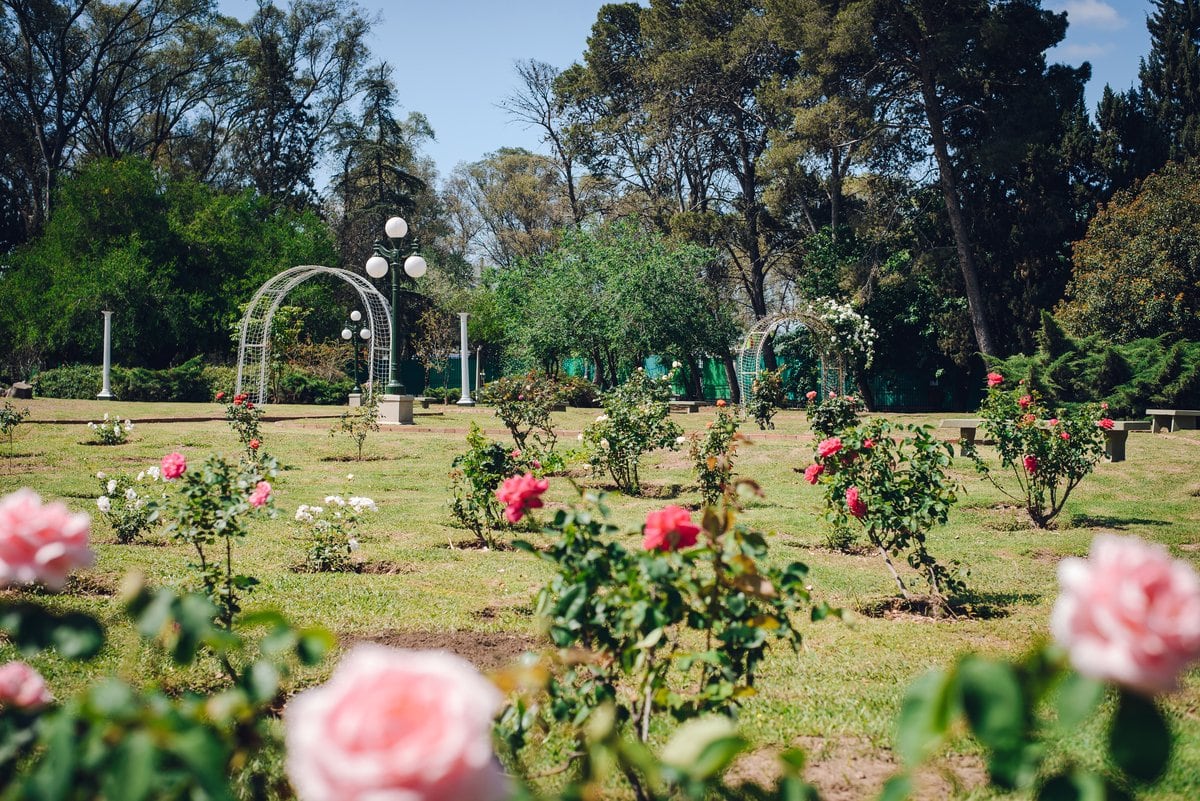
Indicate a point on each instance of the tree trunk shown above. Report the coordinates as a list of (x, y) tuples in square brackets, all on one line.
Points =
[(948, 178), (735, 389)]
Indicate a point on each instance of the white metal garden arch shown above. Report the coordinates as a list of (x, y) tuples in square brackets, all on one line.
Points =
[(750, 358), (254, 346)]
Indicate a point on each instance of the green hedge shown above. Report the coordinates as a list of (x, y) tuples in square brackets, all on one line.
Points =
[(192, 381), (1146, 373)]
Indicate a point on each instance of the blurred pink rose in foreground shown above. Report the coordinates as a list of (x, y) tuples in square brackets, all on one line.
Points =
[(1128, 613), (41, 543), (669, 529), (520, 493), (261, 494), (22, 687), (395, 725), (173, 465)]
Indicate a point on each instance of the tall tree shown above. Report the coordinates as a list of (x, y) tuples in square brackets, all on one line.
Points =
[(1170, 74)]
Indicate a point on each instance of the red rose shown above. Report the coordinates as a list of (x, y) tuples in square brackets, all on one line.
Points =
[(220, 396), (994, 380), (1065, 435), (1105, 423), (520, 493), (828, 447), (720, 404), (1025, 401), (857, 507), (670, 529), (1031, 464), (812, 472), (254, 443)]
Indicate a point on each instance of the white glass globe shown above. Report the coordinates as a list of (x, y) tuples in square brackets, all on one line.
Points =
[(377, 266), (395, 227), (347, 333), (356, 315), (365, 333), (415, 266)]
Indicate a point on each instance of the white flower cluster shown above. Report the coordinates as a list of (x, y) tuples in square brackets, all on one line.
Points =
[(307, 514), (848, 332), (111, 431)]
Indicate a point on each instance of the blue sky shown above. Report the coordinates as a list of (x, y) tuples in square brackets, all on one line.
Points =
[(454, 58)]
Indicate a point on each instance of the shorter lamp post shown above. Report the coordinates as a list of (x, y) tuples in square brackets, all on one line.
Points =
[(364, 334), (377, 266)]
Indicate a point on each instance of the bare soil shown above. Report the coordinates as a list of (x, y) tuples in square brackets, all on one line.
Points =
[(486, 650)]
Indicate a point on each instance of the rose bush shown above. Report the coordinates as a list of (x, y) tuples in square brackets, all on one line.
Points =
[(1046, 460), (833, 414), (766, 397), (330, 531), (636, 420), (476, 476), (111, 431), (396, 724), (712, 452), (130, 505)]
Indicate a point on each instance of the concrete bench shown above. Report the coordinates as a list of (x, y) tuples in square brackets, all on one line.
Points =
[(967, 426), (684, 406), (1173, 419), (1114, 438), (421, 399)]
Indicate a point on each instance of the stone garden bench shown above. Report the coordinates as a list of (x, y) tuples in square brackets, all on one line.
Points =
[(684, 406), (1173, 419), (967, 426)]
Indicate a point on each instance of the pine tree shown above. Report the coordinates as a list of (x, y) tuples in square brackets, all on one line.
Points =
[(1170, 74)]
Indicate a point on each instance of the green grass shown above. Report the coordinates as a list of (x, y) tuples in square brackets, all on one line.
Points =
[(845, 685)]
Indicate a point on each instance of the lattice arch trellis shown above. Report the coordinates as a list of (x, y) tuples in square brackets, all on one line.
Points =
[(834, 372), (254, 346)]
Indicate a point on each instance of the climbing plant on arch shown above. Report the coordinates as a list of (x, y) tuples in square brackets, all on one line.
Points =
[(254, 344), (844, 339)]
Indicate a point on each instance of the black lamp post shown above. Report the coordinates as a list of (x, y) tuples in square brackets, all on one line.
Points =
[(386, 258), (364, 334)]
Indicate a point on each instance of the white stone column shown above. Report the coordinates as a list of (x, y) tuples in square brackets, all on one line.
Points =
[(106, 390), (465, 400)]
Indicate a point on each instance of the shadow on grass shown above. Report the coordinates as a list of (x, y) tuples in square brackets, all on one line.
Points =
[(1109, 521), (968, 606)]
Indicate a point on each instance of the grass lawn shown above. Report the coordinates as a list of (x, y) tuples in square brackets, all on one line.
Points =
[(838, 697)]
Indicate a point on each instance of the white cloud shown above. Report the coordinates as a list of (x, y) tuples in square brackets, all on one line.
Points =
[(1091, 14), (1082, 52)]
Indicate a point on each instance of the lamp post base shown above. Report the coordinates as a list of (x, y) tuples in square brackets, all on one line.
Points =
[(355, 399), (396, 409)]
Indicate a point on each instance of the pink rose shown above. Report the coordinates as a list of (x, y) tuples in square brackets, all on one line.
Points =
[(832, 394), (1105, 423), (261, 494), (720, 404), (1128, 613), (828, 447), (857, 507), (395, 724), (254, 444), (994, 380), (670, 529), (812, 472), (1065, 435), (516, 453), (41, 543), (520, 493), (1029, 419), (173, 465), (1025, 401), (535, 464), (1104, 405), (1031, 464), (22, 687), (1053, 421), (811, 394), (868, 443), (849, 399)]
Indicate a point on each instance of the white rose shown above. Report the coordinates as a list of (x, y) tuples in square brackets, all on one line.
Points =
[(101, 475), (141, 476), (675, 365), (602, 418), (680, 440), (130, 494), (352, 544), (604, 443), (103, 503), (111, 486)]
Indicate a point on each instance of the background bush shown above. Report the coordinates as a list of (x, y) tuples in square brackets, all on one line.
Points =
[(78, 381)]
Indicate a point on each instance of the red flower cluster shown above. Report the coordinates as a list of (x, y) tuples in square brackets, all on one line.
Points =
[(254, 444), (241, 398), (520, 493), (670, 529)]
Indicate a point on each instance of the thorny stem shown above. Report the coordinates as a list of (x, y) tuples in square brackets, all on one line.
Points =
[(888, 561)]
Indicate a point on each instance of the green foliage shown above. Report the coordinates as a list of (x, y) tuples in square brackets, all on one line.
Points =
[(359, 422), (766, 397), (712, 452), (1047, 454), (443, 394), (681, 631), (300, 386), (110, 431), (523, 404), (191, 382), (79, 382), (833, 414), (894, 480), (1014, 709), (636, 420), (10, 418), (575, 390), (208, 513), (475, 476), (1137, 271), (1130, 376)]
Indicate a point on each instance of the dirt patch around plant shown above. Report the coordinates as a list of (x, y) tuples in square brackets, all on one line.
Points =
[(475, 545), (375, 458), (851, 769), (485, 650), (928, 609), (92, 583)]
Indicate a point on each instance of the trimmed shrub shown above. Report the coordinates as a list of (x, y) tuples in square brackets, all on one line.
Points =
[(78, 382)]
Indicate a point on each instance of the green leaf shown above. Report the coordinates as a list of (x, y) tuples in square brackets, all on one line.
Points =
[(313, 645), (55, 771), (77, 636), (1078, 698), (897, 788), (1140, 740), (206, 758), (924, 716), (262, 681), (993, 703), (1077, 786), (133, 769)]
